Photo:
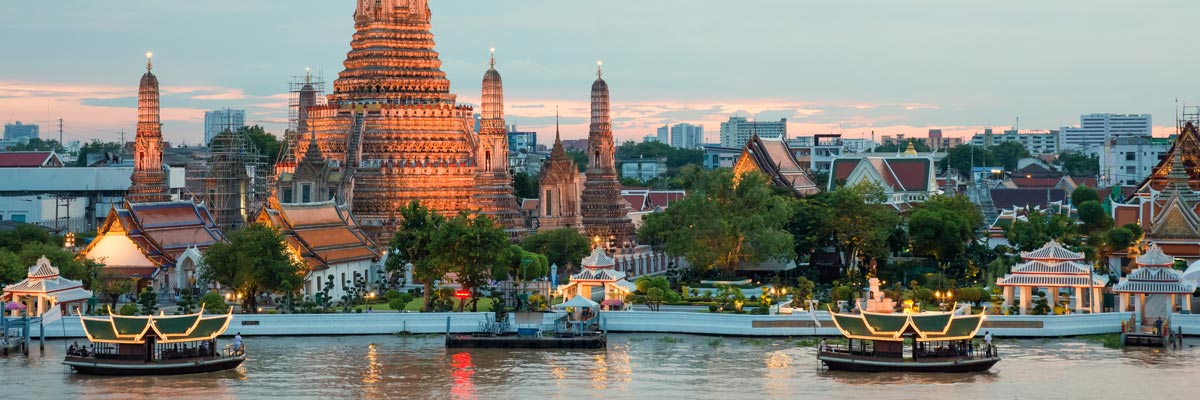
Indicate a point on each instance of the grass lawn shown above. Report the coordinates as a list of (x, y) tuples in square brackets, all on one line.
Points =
[(485, 304)]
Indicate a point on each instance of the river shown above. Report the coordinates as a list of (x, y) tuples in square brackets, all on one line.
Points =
[(647, 366)]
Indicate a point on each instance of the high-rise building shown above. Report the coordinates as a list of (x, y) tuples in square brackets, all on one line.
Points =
[(605, 213), (737, 131), (20, 132), (664, 135), (650, 138), (149, 182), (521, 142), (935, 139), (687, 136), (1127, 161), (1095, 129), (1036, 141), (221, 120)]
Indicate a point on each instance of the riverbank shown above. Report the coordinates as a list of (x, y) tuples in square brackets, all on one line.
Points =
[(816, 324)]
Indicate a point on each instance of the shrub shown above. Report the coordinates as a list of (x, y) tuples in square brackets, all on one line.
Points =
[(391, 294), (712, 308), (128, 309), (397, 304), (214, 303)]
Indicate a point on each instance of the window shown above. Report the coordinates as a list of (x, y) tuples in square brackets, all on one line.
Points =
[(343, 281), (306, 193), (287, 198), (332, 193), (549, 203), (1130, 156), (319, 287), (18, 217)]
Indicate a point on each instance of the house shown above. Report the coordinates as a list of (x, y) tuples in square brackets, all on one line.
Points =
[(30, 159), (328, 240)]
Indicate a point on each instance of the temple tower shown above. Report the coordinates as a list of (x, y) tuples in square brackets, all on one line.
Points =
[(149, 180), (605, 214), (558, 201), (494, 196), (391, 125)]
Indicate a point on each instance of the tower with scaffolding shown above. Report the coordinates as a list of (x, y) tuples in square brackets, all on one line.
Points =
[(304, 92), (236, 183)]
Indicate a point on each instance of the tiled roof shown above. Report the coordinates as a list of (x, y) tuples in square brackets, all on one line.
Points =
[(529, 204), (636, 201), (42, 269), (1052, 250), (1039, 267), (1035, 183), (775, 159), (162, 231), (324, 233), (590, 274), (25, 159), (1010, 198), (598, 258), (664, 198), (1155, 256), (1051, 280), (1155, 280), (900, 174)]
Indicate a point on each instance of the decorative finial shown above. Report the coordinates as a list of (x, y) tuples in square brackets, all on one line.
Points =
[(493, 62), (599, 64), (149, 65), (307, 75)]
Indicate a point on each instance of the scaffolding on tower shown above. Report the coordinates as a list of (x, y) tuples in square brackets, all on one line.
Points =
[(304, 92), (237, 180)]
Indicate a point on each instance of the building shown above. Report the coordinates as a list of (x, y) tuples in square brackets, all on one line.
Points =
[(717, 156), (18, 132), (329, 242), (493, 195), (561, 187), (935, 139), (1154, 290), (817, 152), (1052, 268), (521, 143), (604, 213), (664, 135), (30, 159), (737, 131), (1037, 142), (1096, 129), (687, 136), (149, 180), (905, 179), (643, 169), (650, 138), (775, 160), (43, 288), (1128, 160), (392, 125), (313, 180), (222, 120), (599, 272), (1165, 204), (860, 145)]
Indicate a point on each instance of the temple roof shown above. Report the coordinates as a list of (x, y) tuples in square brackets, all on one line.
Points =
[(598, 259), (120, 329), (773, 158), (1155, 280), (324, 233), (897, 174), (925, 327), (43, 278), (1052, 250), (1187, 150), (1154, 256), (161, 231)]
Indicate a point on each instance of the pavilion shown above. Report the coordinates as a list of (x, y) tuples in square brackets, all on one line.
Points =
[(598, 271), (1157, 287), (44, 288), (1052, 267)]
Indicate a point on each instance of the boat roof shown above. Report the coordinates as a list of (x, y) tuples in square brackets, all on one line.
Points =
[(926, 327), (122, 329)]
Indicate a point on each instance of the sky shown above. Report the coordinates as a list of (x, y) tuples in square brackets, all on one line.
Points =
[(850, 67)]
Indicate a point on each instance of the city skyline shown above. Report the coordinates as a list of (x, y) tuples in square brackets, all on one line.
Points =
[(941, 65)]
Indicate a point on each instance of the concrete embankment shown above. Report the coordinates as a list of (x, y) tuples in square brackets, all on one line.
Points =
[(640, 321)]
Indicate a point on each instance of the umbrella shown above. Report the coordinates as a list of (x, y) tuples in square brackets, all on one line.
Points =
[(14, 306)]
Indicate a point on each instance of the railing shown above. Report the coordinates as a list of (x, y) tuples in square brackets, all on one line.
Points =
[(867, 349)]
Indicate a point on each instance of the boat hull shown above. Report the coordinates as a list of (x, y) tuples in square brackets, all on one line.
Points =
[(101, 367), (869, 364)]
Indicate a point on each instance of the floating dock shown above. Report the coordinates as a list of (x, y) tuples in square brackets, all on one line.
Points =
[(526, 342)]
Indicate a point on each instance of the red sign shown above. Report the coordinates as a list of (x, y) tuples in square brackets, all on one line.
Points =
[(462, 294)]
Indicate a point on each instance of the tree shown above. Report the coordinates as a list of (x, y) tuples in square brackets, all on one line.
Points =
[(254, 260), (213, 302), (723, 224), (942, 226), (1084, 194), (38, 144), (810, 224), (1038, 228), (267, 144), (580, 158), (96, 147), (653, 291), (524, 265), (113, 285), (11, 268), (411, 244), (963, 158), (472, 246), (148, 301), (525, 186), (1008, 153), (859, 223), (562, 247), (1076, 163), (919, 146), (1094, 218)]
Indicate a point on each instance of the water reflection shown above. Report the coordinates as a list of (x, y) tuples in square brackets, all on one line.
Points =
[(462, 370)]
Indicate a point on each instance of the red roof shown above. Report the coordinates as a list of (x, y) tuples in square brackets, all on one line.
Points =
[(664, 198), (636, 201), (901, 174), (26, 159), (1035, 183), (529, 204), (324, 233)]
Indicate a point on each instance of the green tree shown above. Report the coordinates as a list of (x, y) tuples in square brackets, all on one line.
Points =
[(213, 303), (412, 244), (723, 224), (1084, 194), (473, 247), (963, 158), (1093, 216), (811, 224), (38, 144), (942, 226), (96, 147), (580, 158), (525, 186), (1076, 163), (11, 269), (1038, 228), (920, 147), (860, 223), (112, 285), (148, 301), (562, 247), (267, 144), (1008, 153), (653, 291), (254, 260)]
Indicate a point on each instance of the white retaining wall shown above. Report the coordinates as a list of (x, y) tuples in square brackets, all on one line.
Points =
[(318, 324)]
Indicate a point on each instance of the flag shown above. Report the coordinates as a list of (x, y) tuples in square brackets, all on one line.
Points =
[(54, 314)]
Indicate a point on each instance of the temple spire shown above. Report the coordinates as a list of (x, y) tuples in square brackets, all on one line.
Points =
[(492, 63), (599, 71), (149, 64)]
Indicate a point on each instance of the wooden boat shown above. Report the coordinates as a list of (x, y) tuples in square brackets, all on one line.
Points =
[(154, 345), (941, 342)]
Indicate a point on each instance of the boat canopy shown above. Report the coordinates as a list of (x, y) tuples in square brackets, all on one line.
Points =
[(926, 327), (121, 329)]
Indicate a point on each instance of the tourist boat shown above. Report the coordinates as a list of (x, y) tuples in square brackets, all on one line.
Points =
[(941, 342), (154, 345)]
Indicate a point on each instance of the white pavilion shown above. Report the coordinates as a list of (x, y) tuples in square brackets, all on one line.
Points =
[(598, 272), (1053, 268), (44, 288), (1157, 287)]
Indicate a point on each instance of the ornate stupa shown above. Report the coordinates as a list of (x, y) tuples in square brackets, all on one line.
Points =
[(149, 180), (561, 187), (494, 196), (605, 214), (391, 123)]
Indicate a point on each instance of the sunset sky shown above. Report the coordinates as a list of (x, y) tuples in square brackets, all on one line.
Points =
[(844, 66)]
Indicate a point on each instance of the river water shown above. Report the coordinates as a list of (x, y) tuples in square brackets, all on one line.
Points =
[(645, 366)]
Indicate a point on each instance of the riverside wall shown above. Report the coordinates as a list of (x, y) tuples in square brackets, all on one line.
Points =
[(637, 321)]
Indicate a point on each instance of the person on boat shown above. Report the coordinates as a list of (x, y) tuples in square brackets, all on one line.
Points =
[(1158, 326), (237, 342), (987, 340), (71, 350), (824, 347)]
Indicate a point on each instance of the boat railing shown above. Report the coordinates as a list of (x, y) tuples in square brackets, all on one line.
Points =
[(983, 351)]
